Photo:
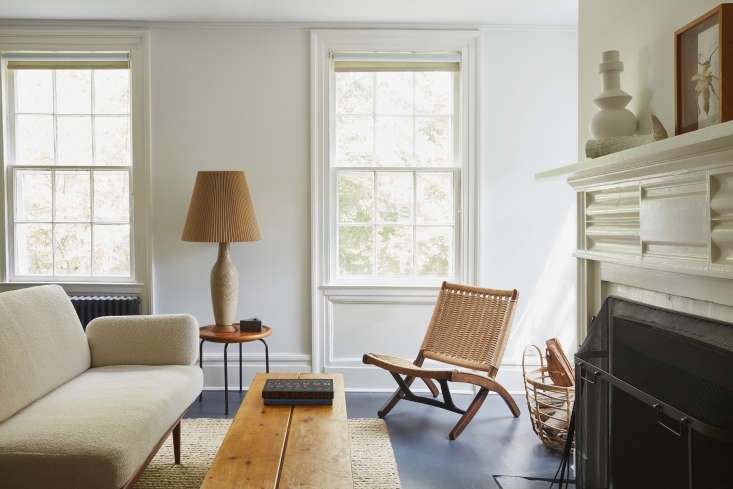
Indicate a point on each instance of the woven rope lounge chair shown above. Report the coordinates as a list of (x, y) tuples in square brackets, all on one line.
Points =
[(469, 328)]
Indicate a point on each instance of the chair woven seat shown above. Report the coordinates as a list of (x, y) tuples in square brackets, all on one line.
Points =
[(469, 328), (405, 367)]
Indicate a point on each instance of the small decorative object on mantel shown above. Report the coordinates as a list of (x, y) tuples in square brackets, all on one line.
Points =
[(703, 70), (614, 119), (600, 147), (253, 325), (298, 391)]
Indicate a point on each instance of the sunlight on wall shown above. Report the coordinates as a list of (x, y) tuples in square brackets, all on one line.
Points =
[(548, 310)]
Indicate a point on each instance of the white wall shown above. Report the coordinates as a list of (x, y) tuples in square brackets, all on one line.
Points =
[(237, 97), (527, 229), (643, 31)]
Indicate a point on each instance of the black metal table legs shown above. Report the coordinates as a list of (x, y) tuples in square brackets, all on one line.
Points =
[(267, 356), (226, 373), (201, 366), (226, 380)]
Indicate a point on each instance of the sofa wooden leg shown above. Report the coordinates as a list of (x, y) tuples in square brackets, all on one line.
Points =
[(177, 443)]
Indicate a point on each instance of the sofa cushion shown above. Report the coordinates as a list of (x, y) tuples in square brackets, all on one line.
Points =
[(96, 430), (42, 345)]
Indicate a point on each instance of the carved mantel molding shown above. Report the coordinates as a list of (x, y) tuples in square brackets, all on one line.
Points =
[(666, 206)]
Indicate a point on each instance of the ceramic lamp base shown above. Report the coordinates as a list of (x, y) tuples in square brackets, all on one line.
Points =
[(224, 328), (224, 291)]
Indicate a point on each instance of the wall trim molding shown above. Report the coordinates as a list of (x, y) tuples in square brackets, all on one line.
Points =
[(268, 24), (324, 293)]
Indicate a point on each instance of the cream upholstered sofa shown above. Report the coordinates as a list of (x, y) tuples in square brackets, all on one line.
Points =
[(88, 410)]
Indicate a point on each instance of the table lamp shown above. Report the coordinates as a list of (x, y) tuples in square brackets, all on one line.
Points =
[(221, 211)]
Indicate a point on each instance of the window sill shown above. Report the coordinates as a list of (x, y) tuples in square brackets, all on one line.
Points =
[(83, 287), (414, 290)]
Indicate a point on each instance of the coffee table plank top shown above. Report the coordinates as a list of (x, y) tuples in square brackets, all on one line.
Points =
[(251, 452), (318, 451)]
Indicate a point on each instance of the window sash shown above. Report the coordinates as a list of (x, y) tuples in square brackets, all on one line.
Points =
[(12, 171), (414, 277), (334, 275), (12, 166)]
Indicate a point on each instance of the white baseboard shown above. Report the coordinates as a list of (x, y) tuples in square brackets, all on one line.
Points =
[(357, 377), (252, 364)]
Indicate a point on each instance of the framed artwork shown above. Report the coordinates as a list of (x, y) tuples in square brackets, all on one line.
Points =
[(703, 70)]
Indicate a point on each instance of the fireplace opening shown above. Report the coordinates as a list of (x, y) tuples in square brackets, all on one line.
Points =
[(654, 400)]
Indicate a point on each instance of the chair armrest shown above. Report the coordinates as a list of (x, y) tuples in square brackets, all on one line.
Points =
[(165, 339)]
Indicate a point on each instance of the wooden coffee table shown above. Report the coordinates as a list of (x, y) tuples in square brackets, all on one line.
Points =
[(284, 447)]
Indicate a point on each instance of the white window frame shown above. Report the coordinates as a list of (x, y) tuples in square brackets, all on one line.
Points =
[(136, 43), (324, 283), (455, 171)]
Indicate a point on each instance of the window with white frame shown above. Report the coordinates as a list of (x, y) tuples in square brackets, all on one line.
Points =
[(68, 166), (395, 166)]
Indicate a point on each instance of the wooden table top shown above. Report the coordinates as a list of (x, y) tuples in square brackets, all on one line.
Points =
[(284, 447), (207, 333)]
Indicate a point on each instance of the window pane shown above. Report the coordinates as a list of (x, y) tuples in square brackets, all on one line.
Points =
[(394, 250), (74, 140), (394, 197), (34, 91), (433, 92), (354, 140), (112, 250), (356, 250), (33, 139), (33, 195), (111, 91), (73, 247), (432, 140), (435, 198), (356, 196), (112, 140), (72, 196), (354, 93), (434, 250), (33, 249), (394, 93), (111, 196), (74, 91), (394, 141)]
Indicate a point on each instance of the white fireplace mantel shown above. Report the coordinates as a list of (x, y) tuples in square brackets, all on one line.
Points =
[(666, 206)]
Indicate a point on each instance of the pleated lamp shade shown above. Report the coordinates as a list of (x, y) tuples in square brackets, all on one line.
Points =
[(221, 209)]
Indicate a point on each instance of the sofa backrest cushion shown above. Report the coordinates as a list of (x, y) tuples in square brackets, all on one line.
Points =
[(42, 345)]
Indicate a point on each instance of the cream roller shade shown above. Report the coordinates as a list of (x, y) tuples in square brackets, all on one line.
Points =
[(354, 61), (67, 61)]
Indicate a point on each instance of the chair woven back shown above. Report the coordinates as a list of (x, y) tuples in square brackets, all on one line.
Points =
[(470, 326)]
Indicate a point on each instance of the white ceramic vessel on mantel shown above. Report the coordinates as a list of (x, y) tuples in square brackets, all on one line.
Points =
[(614, 119)]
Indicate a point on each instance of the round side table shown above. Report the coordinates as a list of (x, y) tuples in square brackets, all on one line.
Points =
[(206, 333)]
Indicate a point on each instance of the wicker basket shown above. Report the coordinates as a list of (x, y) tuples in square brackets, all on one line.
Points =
[(549, 405)]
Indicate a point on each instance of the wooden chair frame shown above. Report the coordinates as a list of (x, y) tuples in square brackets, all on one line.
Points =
[(464, 314)]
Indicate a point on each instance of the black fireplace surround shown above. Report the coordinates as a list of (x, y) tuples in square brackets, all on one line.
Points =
[(654, 400)]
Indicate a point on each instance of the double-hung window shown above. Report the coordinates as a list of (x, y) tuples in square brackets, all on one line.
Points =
[(395, 166), (68, 166)]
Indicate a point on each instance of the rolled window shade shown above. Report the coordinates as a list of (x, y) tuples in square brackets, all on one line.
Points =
[(67, 61), (353, 61)]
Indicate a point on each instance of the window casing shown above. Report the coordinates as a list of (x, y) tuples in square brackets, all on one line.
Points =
[(395, 173), (69, 169)]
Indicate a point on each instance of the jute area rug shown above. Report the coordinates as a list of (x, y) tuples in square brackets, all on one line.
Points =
[(372, 459)]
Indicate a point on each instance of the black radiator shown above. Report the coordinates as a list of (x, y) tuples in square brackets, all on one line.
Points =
[(89, 307)]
